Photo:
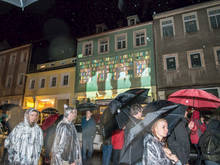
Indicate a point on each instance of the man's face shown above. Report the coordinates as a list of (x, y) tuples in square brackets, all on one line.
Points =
[(33, 117), (88, 114)]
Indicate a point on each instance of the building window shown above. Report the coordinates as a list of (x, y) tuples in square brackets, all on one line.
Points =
[(9, 82), (140, 38), (121, 41), (23, 56), (42, 82), (190, 22), (53, 81), (103, 45), (21, 79), (167, 27), (65, 80), (2, 60), (87, 48), (195, 59), (12, 59), (32, 84), (214, 17), (217, 55), (170, 62)]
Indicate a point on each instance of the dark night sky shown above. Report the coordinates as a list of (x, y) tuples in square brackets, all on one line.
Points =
[(45, 19)]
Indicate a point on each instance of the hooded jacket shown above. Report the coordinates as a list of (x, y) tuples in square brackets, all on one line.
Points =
[(66, 146), (24, 143)]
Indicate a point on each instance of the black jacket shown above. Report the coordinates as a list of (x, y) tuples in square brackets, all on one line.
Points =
[(210, 142), (179, 142)]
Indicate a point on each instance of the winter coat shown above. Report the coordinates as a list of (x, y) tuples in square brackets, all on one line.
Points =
[(210, 142), (88, 129), (24, 143), (153, 152), (179, 142), (118, 139), (66, 146), (198, 129)]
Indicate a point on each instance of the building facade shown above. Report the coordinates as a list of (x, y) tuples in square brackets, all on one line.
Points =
[(13, 68), (187, 48), (52, 86), (114, 61)]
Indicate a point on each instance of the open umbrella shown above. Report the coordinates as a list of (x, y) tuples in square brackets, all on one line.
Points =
[(118, 112), (20, 3), (7, 107), (133, 148), (195, 98), (86, 107), (50, 111)]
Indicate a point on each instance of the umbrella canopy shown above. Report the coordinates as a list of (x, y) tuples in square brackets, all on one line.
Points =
[(50, 111), (20, 3), (195, 98), (118, 112), (7, 107), (86, 107), (133, 149)]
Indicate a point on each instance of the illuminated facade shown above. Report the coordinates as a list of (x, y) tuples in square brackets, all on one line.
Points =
[(52, 86), (13, 67), (112, 62)]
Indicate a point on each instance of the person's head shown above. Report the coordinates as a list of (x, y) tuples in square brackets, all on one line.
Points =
[(31, 115), (136, 111), (70, 113), (160, 129), (88, 114)]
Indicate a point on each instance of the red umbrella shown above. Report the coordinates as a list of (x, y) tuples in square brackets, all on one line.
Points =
[(195, 98)]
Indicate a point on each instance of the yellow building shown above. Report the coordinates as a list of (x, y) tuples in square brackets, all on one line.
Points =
[(52, 86)]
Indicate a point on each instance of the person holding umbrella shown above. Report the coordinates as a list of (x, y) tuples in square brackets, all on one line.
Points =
[(88, 135), (155, 150), (136, 111)]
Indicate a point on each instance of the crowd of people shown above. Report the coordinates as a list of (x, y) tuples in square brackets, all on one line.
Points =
[(24, 143)]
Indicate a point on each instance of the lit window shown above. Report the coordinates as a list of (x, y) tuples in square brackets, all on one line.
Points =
[(23, 56), (214, 17), (217, 55), (42, 82), (87, 48), (103, 45), (65, 79), (195, 59), (140, 38), (32, 84), (190, 22), (121, 41), (12, 59), (170, 62), (53, 82), (9, 82), (167, 27), (21, 79)]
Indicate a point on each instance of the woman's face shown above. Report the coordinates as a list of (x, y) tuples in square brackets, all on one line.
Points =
[(161, 129)]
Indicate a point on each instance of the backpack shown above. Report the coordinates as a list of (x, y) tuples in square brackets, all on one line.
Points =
[(210, 146)]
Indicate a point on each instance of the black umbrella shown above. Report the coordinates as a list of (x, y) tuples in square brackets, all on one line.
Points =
[(50, 111), (86, 107), (7, 107), (133, 148), (118, 112)]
